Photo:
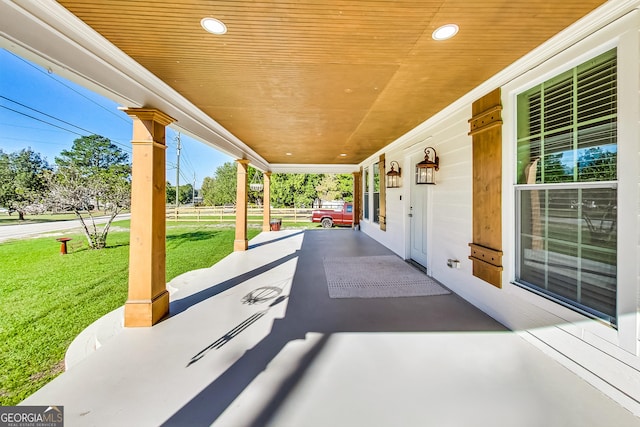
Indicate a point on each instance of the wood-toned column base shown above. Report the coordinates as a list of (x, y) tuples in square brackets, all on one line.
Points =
[(240, 245), (146, 313)]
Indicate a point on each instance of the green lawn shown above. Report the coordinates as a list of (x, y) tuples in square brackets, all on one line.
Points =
[(46, 299), (33, 219)]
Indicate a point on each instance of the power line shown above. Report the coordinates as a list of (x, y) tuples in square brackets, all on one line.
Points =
[(186, 157), (69, 87), (40, 120), (44, 114), (186, 179), (182, 174), (126, 147), (33, 141), (185, 162), (28, 127), (60, 120), (183, 167)]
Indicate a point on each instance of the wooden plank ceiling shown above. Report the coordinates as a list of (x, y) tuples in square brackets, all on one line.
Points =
[(302, 82)]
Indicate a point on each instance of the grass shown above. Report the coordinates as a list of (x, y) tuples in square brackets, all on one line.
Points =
[(12, 219), (47, 299), (228, 220), (33, 219)]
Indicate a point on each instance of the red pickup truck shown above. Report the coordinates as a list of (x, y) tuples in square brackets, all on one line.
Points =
[(330, 217)]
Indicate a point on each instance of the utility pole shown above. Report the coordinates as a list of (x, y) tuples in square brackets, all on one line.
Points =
[(177, 174), (193, 196)]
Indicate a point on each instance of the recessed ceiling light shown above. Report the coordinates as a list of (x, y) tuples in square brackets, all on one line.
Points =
[(213, 26), (343, 155), (288, 154), (445, 32)]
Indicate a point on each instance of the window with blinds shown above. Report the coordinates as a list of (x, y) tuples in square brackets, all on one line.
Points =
[(567, 188)]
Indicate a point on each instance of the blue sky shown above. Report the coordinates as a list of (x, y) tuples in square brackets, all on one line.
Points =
[(47, 113)]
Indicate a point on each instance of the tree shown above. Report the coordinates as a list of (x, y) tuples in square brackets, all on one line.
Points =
[(345, 186), (23, 181), (328, 188), (596, 164), (555, 170), (95, 172), (335, 187), (94, 154), (287, 189), (186, 194), (170, 194), (294, 189), (221, 189), (208, 191)]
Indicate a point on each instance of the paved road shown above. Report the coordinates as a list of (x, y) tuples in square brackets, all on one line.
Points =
[(20, 231)]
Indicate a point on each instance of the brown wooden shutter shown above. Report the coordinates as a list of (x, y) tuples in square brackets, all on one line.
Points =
[(357, 197), (486, 132), (383, 194)]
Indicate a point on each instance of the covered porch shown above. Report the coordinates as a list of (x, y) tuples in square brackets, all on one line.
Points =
[(315, 87), (256, 340)]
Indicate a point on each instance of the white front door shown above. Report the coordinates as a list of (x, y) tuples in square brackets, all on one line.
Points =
[(418, 218)]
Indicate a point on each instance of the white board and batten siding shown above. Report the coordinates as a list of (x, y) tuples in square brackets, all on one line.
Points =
[(607, 357)]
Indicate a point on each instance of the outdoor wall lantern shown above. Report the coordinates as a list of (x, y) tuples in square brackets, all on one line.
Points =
[(393, 176), (426, 169)]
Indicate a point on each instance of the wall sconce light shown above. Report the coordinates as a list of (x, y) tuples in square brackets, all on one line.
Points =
[(426, 169), (393, 176)]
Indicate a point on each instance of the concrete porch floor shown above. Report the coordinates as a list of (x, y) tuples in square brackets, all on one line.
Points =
[(255, 340)]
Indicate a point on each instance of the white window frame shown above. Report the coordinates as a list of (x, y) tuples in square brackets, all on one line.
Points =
[(572, 185), (375, 171), (622, 35)]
